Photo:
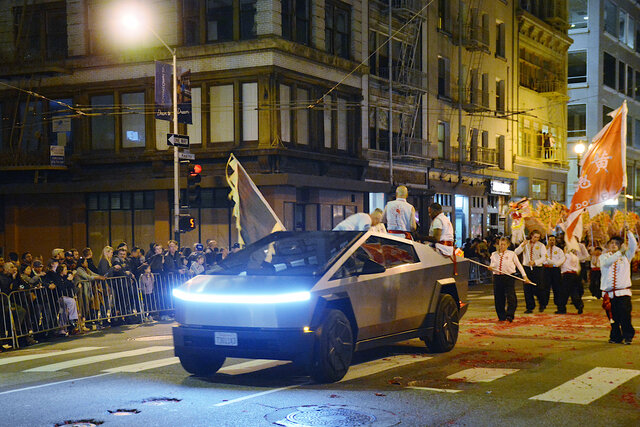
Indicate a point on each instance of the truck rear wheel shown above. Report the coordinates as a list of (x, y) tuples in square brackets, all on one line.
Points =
[(445, 332), (201, 365)]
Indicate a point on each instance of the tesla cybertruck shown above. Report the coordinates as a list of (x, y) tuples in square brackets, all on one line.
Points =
[(315, 298)]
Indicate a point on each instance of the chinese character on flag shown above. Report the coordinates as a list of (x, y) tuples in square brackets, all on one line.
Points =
[(603, 175)]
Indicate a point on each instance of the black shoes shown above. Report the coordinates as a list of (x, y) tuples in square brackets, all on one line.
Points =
[(527, 311), (541, 309), (560, 312), (579, 311), (627, 342), (510, 319)]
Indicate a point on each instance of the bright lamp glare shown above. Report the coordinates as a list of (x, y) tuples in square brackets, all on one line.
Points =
[(579, 148), (241, 299), (130, 21)]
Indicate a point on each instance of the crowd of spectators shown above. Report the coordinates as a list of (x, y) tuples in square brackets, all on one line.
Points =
[(68, 287)]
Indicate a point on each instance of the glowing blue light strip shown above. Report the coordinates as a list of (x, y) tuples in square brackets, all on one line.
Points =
[(241, 299)]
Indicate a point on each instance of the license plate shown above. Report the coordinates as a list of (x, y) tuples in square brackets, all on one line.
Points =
[(226, 338)]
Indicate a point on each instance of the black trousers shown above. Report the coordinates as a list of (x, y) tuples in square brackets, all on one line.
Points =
[(621, 327), (504, 291), (594, 283), (572, 284), (531, 291), (551, 280)]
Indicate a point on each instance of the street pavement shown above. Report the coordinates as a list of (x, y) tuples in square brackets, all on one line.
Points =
[(541, 370)]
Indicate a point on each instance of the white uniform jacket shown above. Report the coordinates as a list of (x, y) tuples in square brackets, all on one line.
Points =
[(616, 270), (571, 263), (443, 223), (506, 262), (399, 215), (553, 257), (530, 252)]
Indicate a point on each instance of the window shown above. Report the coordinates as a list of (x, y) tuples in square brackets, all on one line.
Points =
[(296, 21), (609, 71), (443, 135), (578, 67), (500, 40), (40, 32), (622, 26), (622, 79), (120, 217), (629, 131), (577, 120), (611, 18), (210, 21), (385, 252), (285, 113), (631, 32), (302, 116), (249, 111), (103, 124), (538, 189), (444, 74), (556, 191), (578, 14), (221, 113), (606, 118), (133, 133), (500, 96), (337, 32), (630, 87), (328, 121), (342, 123), (444, 16), (485, 90)]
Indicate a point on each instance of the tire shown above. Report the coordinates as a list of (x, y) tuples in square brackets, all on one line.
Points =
[(201, 365), (445, 331), (333, 348)]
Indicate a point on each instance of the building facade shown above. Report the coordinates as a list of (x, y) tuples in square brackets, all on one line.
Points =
[(541, 157), (300, 91), (604, 71)]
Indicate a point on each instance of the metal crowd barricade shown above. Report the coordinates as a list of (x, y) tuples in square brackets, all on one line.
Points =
[(156, 292), (112, 299), (478, 274), (37, 310), (6, 321)]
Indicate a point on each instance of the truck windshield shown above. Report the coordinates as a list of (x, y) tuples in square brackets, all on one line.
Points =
[(288, 253)]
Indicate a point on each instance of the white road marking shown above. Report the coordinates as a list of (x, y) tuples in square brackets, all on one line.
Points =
[(441, 390), (481, 375), (16, 359), (137, 367), (100, 358), (262, 393), (251, 366), (486, 297), (588, 387), (375, 366), (55, 383)]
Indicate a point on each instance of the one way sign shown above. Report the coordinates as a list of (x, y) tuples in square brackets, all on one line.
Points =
[(175, 140)]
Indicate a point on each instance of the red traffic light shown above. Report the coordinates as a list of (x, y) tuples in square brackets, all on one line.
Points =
[(195, 170)]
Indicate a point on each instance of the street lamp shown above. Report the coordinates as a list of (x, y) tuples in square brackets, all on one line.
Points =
[(131, 21), (579, 150)]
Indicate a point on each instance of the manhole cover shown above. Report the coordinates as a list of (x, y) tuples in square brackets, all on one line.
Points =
[(331, 416), (79, 423)]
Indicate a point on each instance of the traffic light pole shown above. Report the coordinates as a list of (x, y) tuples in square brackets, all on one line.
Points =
[(176, 161)]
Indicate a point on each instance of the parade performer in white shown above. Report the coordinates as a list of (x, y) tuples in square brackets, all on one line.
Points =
[(400, 215)]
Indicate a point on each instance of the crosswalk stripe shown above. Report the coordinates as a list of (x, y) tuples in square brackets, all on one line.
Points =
[(251, 366), (481, 375), (588, 387), (440, 390), (100, 358), (16, 359), (375, 366), (137, 367)]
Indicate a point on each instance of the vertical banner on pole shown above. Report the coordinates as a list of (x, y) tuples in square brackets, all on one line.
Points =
[(164, 91), (184, 96)]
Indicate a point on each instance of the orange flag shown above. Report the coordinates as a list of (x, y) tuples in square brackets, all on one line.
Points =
[(604, 172)]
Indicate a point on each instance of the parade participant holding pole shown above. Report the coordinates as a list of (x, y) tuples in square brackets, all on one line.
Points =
[(400, 215), (571, 282), (553, 259), (594, 275), (441, 230), (616, 283), (360, 221), (503, 262), (533, 255)]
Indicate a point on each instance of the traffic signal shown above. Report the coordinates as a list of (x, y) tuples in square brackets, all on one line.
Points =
[(193, 185), (187, 223)]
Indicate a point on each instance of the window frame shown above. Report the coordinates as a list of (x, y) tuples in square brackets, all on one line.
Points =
[(43, 12), (186, 22), (332, 35), (290, 21)]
